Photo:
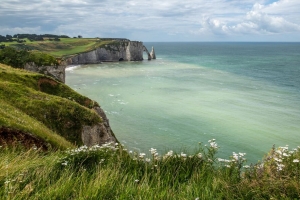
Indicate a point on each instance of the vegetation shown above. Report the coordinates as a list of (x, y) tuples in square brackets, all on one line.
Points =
[(18, 58), (111, 172), (59, 46), (37, 104)]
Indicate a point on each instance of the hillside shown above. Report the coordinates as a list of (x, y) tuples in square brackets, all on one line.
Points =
[(38, 107)]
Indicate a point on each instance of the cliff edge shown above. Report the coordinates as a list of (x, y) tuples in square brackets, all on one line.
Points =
[(35, 107)]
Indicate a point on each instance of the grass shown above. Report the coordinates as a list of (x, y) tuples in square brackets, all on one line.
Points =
[(111, 172), (65, 47), (37, 104)]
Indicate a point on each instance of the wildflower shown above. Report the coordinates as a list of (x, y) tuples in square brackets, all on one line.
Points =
[(170, 153), (183, 155), (65, 163), (242, 154), (285, 155), (277, 159), (130, 152), (142, 155), (199, 155), (7, 182), (295, 160), (221, 160), (197, 198), (246, 166), (101, 161), (213, 145), (147, 159), (136, 180), (153, 151), (280, 167)]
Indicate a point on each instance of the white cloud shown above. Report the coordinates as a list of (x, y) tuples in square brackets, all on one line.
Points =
[(125, 18), (256, 21)]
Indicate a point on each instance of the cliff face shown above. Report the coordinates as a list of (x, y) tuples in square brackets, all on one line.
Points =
[(99, 133), (121, 51), (57, 72)]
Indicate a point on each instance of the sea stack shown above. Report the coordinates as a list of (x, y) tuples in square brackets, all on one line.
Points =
[(152, 54)]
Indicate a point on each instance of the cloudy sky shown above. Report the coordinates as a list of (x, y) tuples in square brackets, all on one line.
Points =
[(156, 20)]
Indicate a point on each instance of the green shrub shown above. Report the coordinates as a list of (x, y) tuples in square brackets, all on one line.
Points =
[(18, 59)]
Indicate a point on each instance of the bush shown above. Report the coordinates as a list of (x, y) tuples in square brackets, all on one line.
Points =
[(18, 59)]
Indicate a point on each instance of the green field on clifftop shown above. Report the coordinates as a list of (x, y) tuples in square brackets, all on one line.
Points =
[(63, 48)]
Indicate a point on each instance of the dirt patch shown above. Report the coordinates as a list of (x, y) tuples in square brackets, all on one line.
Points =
[(11, 137), (46, 81)]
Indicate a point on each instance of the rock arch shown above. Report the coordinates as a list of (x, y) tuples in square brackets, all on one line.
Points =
[(146, 50)]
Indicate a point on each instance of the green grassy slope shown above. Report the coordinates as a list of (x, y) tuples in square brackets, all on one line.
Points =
[(64, 47), (37, 104)]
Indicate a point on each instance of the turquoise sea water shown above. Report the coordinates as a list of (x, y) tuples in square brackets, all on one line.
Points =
[(244, 95)]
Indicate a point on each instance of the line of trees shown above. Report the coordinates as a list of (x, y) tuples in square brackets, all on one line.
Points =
[(31, 37)]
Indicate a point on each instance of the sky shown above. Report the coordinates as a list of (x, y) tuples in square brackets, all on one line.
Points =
[(156, 20)]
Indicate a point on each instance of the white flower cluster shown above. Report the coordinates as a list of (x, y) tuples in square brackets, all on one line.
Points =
[(213, 144), (107, 147), (154, 153), (237, 158), (282, 154)]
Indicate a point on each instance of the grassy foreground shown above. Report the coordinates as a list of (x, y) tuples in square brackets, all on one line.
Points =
[(111, 172)]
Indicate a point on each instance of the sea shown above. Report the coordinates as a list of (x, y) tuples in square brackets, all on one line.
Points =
[(246, 96)]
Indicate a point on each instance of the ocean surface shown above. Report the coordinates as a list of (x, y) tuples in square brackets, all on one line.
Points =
[(244, 95)]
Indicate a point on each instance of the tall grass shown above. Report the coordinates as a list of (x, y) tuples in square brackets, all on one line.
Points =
[(112, 172)]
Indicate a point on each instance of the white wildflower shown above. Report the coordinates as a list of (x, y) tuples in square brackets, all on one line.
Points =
[(296, 160), (285, 155), (147, 159), (153, 151), (214, 145), (65, 163), (170, 153), (142, 155), (278, 159), (130, 152), (136, 180), (183, 155), (199, 155), (280, 167), (246, 166)]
